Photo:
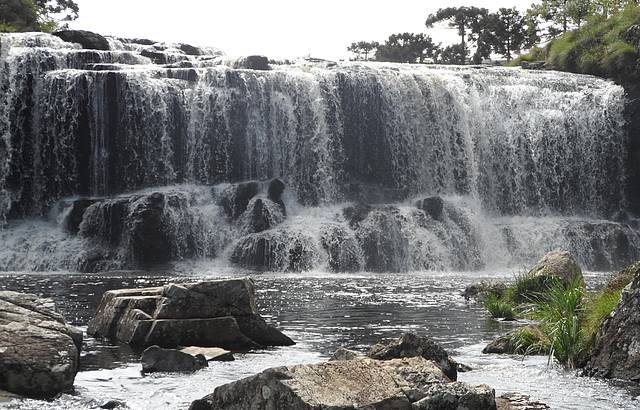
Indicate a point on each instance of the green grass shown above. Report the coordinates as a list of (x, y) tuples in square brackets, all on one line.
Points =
[(499, 308), (530, 340)]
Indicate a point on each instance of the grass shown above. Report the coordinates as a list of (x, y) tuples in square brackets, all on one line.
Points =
[(568, 316), (600, 47), (499, 308)]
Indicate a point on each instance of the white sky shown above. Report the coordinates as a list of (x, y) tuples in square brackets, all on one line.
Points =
[(276, 28)]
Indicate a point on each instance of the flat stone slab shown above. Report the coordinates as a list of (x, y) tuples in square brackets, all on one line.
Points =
[(210, 353)]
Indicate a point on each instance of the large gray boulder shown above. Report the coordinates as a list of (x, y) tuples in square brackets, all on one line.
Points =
[(209, 314), (616, 352), (559, 264), (412, 345), (345, 384), (87, 39), (39, 352)]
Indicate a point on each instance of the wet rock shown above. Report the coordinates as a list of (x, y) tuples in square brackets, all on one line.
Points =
[(280, 249), (113, 404), (533, 65), (235, 198), (74, 216), (480, 290), (190, 50), (208, 314), (615, 351), (463, 368), (356, 213), (261, 214), (517, 401), (385, 247), (506, 345), (558, 264), (412, 345), (275, 191), (457, 396), (351, 384), (157, 359), (432, 206), (252, 63), (345, 354), (212, 354), (39, 352), (86, 39), (158, 57), (343, 249)]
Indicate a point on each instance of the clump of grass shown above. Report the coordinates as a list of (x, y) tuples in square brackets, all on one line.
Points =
[(530, 340), (499, 308), (559, 311), (528, 287)]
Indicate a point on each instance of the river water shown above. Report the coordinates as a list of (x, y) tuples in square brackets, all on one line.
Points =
[(321, 312)]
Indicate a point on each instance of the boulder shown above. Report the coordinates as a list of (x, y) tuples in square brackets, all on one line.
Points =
[(342, 248), (383, 242), (157, 359), (533, 343), (75, 213), (287, 249), (86, 39), (113, 404), (558, 264), (615, 353), (533, 65), (212, 354), (432, 206), (345, 354), (274, 192), (517, 401), (457, 395), (190, 50), (480, 290), (39, 352), (208, 314), (351, 384), (252, 63), (356, 213), (261, 214), (412, 345), (235, 198)]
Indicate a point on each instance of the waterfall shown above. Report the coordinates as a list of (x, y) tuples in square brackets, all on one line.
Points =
[(523, 161)]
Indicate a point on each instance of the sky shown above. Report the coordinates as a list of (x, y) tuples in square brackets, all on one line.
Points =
[(276, 28)]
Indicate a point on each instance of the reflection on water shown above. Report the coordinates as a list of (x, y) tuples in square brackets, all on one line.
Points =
[(321, 312)]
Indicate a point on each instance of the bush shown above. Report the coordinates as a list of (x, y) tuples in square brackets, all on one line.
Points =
[(498, 308)]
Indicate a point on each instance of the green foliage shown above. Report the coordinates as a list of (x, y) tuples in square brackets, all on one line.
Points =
[(559, 310), (499, 308), (407, 48), (598, 307), (530, 340), (363, 49), (35, 15), (528, 287), (600, 47)]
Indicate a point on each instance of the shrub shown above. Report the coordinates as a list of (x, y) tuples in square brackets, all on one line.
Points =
[(499, 308)]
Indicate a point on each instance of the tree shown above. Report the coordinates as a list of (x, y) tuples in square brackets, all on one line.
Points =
[(465, 19), (362, 49), (453, 54), (35, 15), (508, 32), (407, 48), (561, 15)]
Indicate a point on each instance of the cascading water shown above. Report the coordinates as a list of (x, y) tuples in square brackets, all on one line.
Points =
[(515, 162)]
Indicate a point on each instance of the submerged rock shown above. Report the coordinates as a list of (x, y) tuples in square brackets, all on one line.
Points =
[(533, 343), (345, 354), (342, 248), (157, 359), (281, 249), (456, 396), (385, 246), (351, 384), (480, 290), (615, 353), (39, 352), (86, 39), (412, 345), (209, 314), (517, 401), (558, 264), (212, 354)]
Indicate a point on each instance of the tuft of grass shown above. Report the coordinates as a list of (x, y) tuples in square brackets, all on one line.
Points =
[(559, 312), (499, 308), (528, 287), (530, 340)]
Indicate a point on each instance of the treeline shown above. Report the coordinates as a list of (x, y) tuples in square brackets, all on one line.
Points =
[(35, 15), (506, 32)]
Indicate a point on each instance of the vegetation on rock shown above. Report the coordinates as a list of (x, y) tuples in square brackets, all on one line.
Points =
[(36, 15)]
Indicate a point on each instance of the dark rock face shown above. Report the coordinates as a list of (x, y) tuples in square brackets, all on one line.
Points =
[(277, 250), (411, 345), (86, 39), (385, 247), (39, 353), (343, 249), (157, 359), (190, 50), (235, 198), (253, 63), (432, 206), (350, 384), (615, 352), (217, 314), (261, 214), (73, 219)]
